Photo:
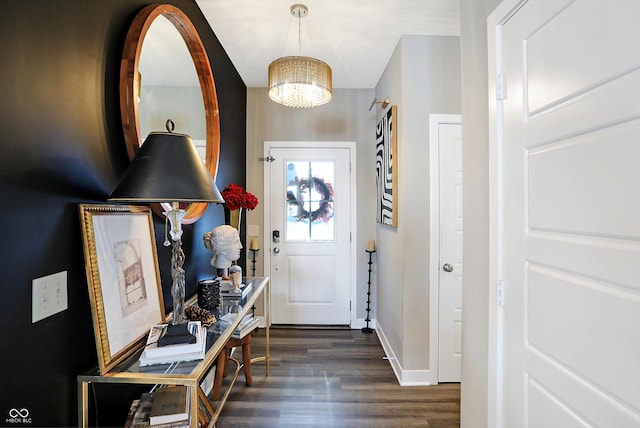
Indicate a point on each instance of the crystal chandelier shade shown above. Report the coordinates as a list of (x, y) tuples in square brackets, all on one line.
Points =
[(300, 81)]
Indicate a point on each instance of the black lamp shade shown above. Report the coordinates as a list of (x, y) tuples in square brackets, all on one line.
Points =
[(167, 168)]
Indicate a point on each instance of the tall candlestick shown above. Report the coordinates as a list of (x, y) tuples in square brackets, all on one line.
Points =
[(368, 329)]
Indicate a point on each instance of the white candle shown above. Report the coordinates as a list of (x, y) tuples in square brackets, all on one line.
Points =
[(254, 244), (371, 246)]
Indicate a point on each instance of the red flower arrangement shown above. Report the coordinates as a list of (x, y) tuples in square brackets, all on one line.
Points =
[(236, 197)]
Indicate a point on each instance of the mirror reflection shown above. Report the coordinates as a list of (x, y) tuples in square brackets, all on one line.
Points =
[(169, 85), (166, 72)]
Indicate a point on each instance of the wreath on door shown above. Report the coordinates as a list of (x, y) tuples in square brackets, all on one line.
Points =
[(324, 212)]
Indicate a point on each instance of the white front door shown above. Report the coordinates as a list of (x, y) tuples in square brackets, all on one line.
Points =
[(568, 212), (446, 153), (309, 196)]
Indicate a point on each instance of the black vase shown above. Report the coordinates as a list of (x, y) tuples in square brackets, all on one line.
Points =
[(209, 294)]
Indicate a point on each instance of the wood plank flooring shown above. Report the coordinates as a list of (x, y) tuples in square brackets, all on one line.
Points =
[(333, 378)]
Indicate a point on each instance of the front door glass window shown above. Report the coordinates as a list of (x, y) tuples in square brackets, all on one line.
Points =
[(310, 201)]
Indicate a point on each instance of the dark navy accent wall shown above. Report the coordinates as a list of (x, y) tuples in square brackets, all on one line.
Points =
[(61, 144)]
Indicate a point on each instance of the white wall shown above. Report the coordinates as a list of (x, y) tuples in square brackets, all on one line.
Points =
[(422, 77), (345, 118), (475, 163)]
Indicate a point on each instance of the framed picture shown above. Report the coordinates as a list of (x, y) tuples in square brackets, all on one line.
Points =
[(386, 169), (123, 278)]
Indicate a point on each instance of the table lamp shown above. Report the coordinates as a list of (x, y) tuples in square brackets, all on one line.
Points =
[(167, 168)]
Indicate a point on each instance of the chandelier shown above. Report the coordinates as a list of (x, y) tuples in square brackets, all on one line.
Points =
[(299, 81)]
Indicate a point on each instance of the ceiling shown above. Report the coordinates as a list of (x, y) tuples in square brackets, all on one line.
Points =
[(355, 37)]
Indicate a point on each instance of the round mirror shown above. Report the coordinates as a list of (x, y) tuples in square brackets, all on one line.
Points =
[(149, 74)]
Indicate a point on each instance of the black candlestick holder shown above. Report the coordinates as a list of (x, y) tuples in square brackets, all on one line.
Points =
[(253, 260), (368, 329), (253, 271)]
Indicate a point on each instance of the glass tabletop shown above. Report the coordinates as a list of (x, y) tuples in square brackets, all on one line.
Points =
[(232, 310)]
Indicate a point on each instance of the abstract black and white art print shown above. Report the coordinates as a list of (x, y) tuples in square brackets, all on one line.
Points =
[(386, 169)]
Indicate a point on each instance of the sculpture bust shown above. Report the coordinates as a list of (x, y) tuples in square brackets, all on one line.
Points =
[(224, 244)]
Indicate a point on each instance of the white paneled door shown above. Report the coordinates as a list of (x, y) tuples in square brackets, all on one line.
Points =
[(310, 200), (568, 212), (446, 199)]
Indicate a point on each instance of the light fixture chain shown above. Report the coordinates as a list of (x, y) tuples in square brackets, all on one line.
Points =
[(299, 36), (311, 50), (286, 36)]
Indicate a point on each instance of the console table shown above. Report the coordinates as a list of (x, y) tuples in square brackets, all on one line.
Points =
[(190, 374)]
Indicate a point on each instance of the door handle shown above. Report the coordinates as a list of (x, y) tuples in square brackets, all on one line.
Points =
[(276, 250), (447, 267)]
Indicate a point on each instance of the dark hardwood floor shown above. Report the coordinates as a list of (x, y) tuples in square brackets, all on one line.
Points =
[(333, 378)]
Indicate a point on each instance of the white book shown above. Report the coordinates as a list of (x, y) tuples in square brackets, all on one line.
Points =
[(246, 328), (248, 319), (231, 317), (145, 361), (228, 290), (153, 351)]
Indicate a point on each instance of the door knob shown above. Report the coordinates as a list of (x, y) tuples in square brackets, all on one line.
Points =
[(447, 267), (276, 250)]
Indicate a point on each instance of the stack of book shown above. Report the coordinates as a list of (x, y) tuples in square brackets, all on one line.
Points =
[(231, 296), (178, 349), (170, 406), (167, 407), (246, 326), (228, 290)]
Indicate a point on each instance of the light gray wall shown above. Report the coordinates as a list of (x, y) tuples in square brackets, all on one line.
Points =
[(422, 78), (345, 118), (182, 104), (475, 154)]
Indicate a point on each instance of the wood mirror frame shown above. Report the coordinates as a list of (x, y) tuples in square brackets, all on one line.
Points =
[(130, 89)]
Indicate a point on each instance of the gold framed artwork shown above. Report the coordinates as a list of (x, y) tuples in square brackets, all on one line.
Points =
[(387, 168), (123, 278)]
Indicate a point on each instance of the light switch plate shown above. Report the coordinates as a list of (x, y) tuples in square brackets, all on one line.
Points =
[(253, 230), (49, 296)]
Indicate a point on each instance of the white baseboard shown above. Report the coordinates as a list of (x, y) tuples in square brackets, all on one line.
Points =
[(357, 325), (405, 377)]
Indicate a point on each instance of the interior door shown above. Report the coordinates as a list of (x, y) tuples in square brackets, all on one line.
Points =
[(446, 130), (310, 262), (570, 231)]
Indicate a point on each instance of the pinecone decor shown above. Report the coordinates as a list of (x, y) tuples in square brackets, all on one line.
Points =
[(195, 313)]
